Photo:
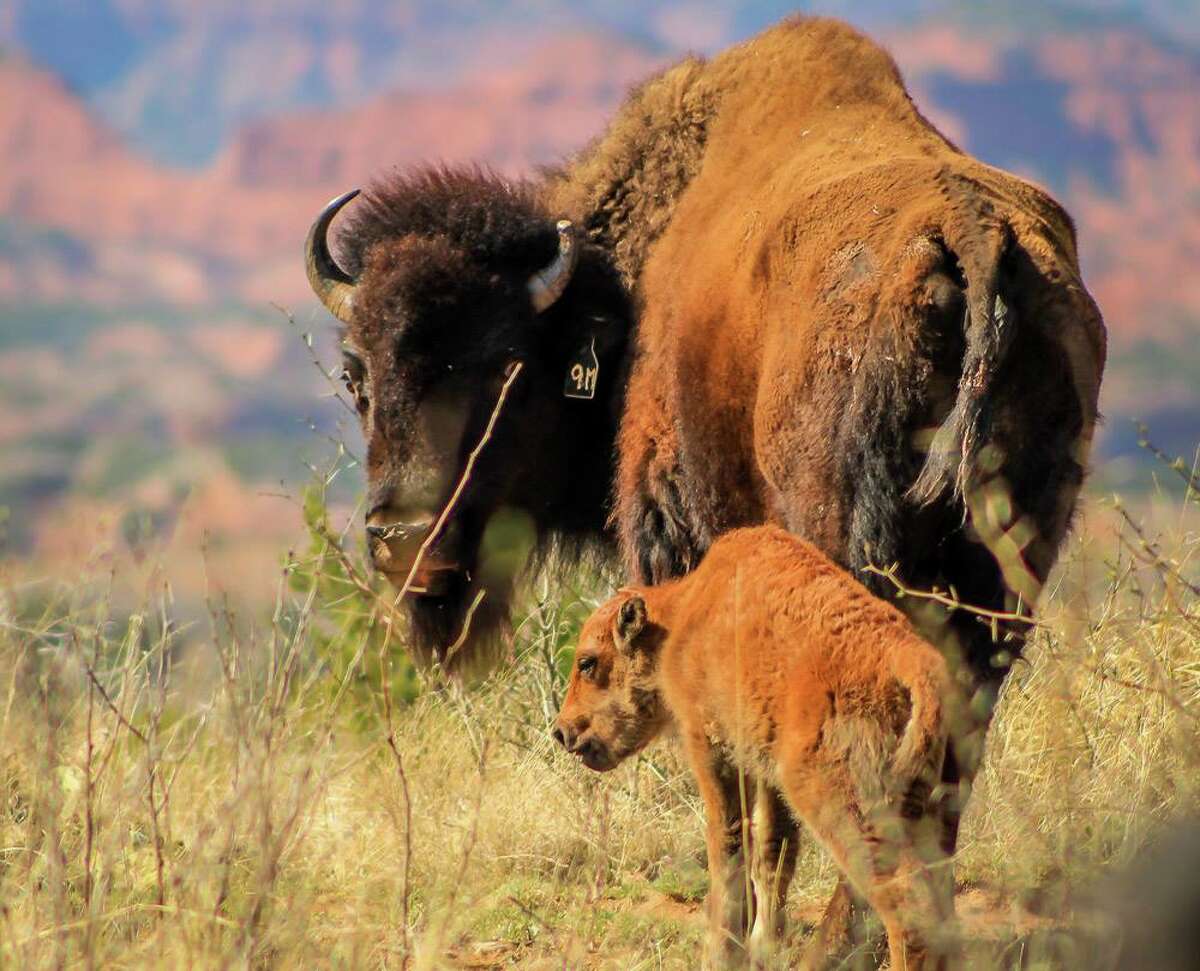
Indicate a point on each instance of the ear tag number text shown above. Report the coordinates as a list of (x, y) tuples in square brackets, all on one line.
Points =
[(583, 370)]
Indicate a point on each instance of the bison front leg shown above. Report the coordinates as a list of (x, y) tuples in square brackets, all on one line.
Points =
[(724, 794), (773, 846)]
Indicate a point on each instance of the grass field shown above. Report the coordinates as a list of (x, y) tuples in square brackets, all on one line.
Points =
[(289, 793)]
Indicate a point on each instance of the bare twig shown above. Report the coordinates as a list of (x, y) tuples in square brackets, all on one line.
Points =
[(335, 391), (89, 816), (153, 766), (466, 627), (1150, 554), (468, 848), (1176, 464), (405, 879), (112, 706), (434, 533), (947, 600)]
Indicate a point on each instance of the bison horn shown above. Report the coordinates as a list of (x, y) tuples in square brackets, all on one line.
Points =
[(548, 283), (329, 281)]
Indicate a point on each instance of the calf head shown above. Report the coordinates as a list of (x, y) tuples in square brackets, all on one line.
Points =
[(613, 708)]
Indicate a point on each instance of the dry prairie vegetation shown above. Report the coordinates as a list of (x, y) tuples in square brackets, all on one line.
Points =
[(228, 797)]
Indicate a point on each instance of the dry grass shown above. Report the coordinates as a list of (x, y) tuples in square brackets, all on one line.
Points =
[(177, 798)]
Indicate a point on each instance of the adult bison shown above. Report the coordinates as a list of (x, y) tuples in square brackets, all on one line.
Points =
[(803, 305)]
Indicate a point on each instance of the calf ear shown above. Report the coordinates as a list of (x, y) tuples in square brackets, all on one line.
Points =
[(631, 618)]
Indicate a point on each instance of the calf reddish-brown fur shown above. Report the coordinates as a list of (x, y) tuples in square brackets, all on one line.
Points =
[(770, 660)]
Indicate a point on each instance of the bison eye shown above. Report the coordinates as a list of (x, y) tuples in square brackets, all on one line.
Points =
[(354, 376), (587, 665)]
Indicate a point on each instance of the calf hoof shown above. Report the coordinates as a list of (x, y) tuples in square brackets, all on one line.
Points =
[(849, 937), (766, 939), (725, 954)]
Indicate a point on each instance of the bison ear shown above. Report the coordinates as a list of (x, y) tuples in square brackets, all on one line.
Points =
[(631, 618)]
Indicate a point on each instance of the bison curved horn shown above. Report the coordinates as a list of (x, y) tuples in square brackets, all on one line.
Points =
[(329, 281), (548, 283)]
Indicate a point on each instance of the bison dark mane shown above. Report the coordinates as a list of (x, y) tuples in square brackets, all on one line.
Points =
[(497, 222)]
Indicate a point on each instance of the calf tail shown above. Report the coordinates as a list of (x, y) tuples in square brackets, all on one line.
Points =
[(989, 327), (917, 763)]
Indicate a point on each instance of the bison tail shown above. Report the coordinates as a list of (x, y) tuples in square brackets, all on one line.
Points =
[(959, 444)]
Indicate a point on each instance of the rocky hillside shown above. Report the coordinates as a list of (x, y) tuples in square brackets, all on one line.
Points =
[(1110, 120), (178, 78), (158, 278), (86, 207)]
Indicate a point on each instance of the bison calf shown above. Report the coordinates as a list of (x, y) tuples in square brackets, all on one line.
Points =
[(790, 686)]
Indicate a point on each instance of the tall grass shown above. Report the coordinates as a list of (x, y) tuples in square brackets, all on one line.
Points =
[(252, 795)]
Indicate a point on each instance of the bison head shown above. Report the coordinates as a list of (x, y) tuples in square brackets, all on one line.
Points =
[(456, 287), (613, 708)]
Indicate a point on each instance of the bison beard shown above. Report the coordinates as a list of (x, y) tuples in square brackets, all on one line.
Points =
[(440, 625)]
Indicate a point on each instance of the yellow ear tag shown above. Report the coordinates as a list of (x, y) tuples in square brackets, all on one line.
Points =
[(582, 371)]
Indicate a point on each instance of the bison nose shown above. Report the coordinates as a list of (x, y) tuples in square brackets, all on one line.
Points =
[(400, 529), (564, 737), (392, 540)]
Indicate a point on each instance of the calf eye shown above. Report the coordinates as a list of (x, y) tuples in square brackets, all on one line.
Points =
[(587, 665)]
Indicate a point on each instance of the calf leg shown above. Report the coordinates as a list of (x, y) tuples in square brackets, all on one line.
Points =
[(848, 937), (774, 836), (878, 851), (724, 794)]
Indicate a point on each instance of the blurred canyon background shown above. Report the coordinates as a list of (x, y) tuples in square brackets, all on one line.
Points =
[(160, 161)]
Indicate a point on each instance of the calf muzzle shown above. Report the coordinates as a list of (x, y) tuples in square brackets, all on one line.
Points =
[(586, 747)]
